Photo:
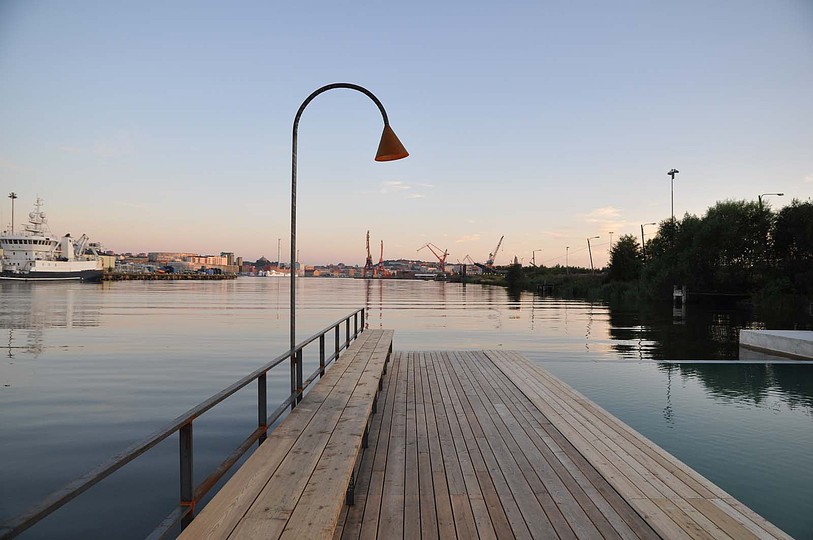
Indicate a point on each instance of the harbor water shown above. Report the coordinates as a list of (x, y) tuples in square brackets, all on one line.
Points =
[(88, 369)]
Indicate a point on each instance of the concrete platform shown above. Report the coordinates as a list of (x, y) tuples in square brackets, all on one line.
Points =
[(787, 343)]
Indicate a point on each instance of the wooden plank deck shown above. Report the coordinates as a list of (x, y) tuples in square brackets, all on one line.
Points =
[(487, 444), (294, 484)]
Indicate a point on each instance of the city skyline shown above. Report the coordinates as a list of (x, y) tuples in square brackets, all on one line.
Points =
[(157, 127)]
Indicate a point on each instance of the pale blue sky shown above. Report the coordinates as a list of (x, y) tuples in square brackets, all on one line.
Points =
[(167, 125)]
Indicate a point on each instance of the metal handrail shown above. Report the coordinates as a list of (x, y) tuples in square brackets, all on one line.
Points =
[(190, 494)]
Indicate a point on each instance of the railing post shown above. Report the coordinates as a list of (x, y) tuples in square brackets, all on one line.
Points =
[(355, 325), (293, 380), (363, 327), (262, 407), (321, 355), (187, 481), (299, 384), (347, 332), (337, 343)]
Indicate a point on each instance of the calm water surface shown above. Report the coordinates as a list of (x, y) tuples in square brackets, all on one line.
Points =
[(89, 369)]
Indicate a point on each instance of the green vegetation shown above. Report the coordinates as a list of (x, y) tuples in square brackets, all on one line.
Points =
[(737, 247)]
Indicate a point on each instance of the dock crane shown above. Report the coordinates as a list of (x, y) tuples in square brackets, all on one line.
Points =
[(467, 261), (492, 256), (441, 258), (382, 272), (368, 265)]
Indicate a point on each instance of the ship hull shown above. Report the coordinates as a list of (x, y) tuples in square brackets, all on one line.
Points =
[(78, 275)]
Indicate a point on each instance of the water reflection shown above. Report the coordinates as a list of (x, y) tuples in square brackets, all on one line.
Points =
[(27, 309), (750, 383)]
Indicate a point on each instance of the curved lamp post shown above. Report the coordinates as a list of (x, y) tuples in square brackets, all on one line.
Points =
[(643, 242), (590, 250), (765, 194), (389, 149), (672, 173)]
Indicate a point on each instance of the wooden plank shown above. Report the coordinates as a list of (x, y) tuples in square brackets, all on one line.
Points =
[(270, 512), (698, 485), (391, 519), (465, 526), (683, 520), (721, 519), (351, 520), (412, 502), (440, 487), (623, 518), (594, 442), (766, 525), (578, 499), (229, 505), (534, 515), (656, 517), (372, 507), (611, 505), (428, 513), (526, 456), (683, 474), (472, 435), (317, 510), (690, 508)]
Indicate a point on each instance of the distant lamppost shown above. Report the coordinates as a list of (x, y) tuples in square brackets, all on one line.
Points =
[(389, 149), (611, 242), (590, 250), (12, 196), (567, 264), (672, 173), (533, 256), (766, 194), (643, 242)]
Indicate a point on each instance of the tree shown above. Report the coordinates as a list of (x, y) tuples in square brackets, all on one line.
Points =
[(793, 245), (626, 259)]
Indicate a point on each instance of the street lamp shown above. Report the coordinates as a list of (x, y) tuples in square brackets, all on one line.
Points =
[(389, 149), (12, 196), (672, 173), (590, 250), (643, 242), (609, 249), (765, 194), (567, 264)]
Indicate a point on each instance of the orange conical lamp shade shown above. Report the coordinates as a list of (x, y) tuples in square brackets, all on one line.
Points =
[(390, 148)]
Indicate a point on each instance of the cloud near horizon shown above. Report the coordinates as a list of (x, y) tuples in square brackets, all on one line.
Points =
[(468, 238)]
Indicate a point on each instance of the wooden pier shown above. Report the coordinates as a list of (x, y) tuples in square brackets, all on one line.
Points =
[(463, 444)]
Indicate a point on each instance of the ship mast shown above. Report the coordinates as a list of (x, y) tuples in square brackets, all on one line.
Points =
[(12, 196)]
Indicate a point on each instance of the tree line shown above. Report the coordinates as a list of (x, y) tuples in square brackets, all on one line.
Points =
[(741, 247)]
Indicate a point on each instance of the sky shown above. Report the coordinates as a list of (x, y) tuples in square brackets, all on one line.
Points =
[(166, 126)]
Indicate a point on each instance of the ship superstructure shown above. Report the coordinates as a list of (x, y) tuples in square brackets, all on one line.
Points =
[(36, 254)]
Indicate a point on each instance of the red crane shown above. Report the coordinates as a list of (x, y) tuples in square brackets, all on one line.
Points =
[(381, 271), (441, 258), (368, 265)]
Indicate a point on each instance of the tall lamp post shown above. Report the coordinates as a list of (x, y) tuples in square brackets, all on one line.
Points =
[(590, 250), (609, 249), (643, 242), (672, 173), (12, 196), (389, 149), (567, 263), (760, 197)]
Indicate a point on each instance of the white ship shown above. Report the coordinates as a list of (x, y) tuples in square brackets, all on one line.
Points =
[(36, 254)]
